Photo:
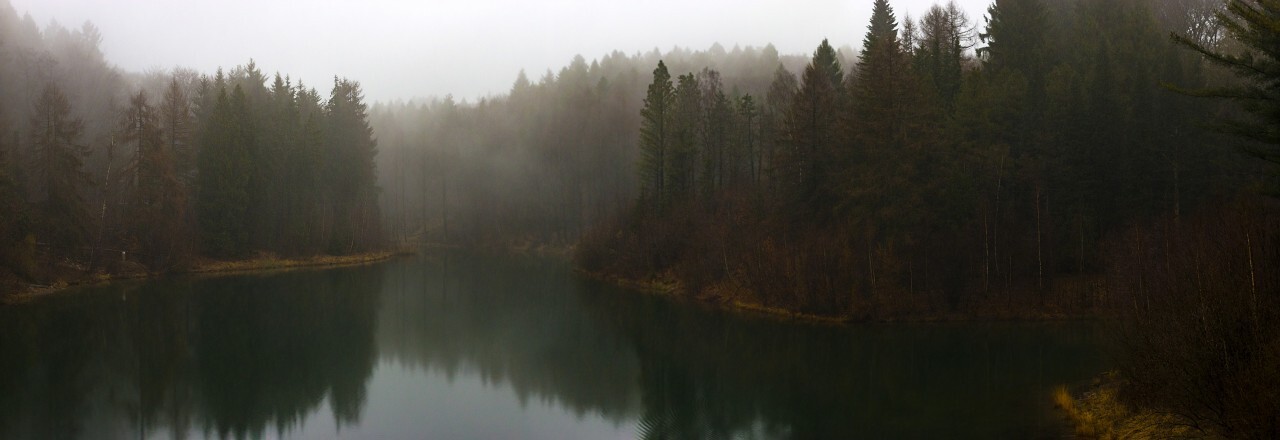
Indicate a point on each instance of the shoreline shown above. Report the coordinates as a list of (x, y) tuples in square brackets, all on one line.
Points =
[(261, 263), (725, 298), (1096, 411)]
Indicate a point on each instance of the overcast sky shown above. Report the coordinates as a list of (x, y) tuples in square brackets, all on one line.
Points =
[(470, 48)]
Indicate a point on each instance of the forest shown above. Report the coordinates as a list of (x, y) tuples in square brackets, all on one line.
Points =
[(107, 172), (1043, 159), (924, 177)]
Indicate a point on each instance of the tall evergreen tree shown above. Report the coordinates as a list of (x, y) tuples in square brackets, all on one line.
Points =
[(350, 170), (812, 123), (773, 130), (827, 62), (223, 197), (656, 134), (682, 168), (717, 114), (1252, 23), (58, 171), (306, 168), (1016, 36)]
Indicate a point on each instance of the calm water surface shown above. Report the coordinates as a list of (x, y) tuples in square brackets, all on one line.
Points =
[(485, 348)]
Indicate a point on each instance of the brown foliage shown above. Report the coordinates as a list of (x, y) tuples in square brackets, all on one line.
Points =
[(1200, 302)]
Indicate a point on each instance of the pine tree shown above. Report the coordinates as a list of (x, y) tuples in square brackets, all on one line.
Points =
[(305, 232), (278, 117), (887, 127), (714, 130), (223, 160), (1016, 37), (1252, 23), (828, 63), (804, 163), (773, 130), (350, 170), (656, 133), (58, 169), (682, 161)]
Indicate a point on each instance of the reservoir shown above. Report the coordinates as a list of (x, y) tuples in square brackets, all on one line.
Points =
[(467, 347)]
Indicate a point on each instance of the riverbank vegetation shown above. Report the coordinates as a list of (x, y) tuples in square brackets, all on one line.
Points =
[(105, 173)]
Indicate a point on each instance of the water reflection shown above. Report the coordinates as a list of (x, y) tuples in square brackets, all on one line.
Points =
[(518, 342), (228, 357)]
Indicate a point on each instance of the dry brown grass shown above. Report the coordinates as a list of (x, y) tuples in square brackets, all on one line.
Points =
[(1098, 413), (266, 261)]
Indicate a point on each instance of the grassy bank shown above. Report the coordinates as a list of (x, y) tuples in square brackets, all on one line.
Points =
[(734, 297), (268, 262), (1097, 412), (17, 292)]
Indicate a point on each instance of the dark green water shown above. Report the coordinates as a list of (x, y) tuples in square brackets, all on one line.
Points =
[(484, 348)]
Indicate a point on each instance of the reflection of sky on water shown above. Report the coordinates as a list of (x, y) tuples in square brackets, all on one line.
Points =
[(414, 403)]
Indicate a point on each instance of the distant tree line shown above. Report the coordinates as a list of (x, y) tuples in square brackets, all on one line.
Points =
[(546, 161), (182, 165), (955, 167)]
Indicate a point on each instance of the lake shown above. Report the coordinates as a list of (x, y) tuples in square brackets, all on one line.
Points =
[(504, 348)]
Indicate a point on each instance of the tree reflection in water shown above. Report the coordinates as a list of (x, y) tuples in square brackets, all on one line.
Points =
[(234, 357), (248, 356)]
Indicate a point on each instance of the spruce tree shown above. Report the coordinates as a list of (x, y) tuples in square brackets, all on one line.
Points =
[(350, 170), (773, 130), (1252, 23), (1016, 35), (223, 198), (656, 135), (682, 161), (803, 166), (881, 180)]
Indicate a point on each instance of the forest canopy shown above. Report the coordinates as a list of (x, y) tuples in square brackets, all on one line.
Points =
[(102, 170)]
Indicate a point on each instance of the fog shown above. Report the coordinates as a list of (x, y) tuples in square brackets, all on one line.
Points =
[(402, 49)]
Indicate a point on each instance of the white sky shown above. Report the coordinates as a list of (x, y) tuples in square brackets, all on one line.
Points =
[(400, 49)]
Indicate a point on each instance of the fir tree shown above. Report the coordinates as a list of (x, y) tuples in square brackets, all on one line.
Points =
[(811, 123), (682, 161), (350, 170), (1253, 23), (656, 133), (223, 197)]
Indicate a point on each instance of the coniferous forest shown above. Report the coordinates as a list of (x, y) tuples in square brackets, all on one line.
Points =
[(1040, 159), (104, 169)]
